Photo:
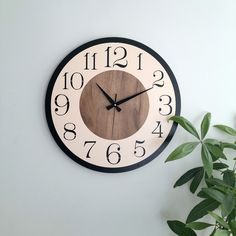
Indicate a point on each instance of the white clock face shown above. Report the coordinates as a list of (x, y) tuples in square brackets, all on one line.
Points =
[(108, 104)]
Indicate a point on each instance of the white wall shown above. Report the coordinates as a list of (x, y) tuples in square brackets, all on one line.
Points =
[(44, 193)]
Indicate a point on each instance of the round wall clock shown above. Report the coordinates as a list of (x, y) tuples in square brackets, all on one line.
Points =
[(108, 104)]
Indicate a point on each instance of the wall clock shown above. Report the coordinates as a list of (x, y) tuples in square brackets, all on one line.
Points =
[(108, 104)]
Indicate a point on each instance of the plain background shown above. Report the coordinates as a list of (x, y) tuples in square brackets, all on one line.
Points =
[(44, 193)]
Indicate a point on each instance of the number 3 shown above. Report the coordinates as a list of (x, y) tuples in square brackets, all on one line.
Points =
[(168, 104)]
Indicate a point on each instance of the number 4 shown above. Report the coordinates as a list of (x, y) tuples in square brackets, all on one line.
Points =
[(158, 129)]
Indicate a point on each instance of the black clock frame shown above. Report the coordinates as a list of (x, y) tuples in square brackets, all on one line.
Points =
[(53, 80)]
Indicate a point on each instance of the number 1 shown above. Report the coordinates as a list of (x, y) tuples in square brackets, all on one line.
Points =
[(140, 61)]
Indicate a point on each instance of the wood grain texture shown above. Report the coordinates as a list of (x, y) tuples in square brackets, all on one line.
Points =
[(110, 124)]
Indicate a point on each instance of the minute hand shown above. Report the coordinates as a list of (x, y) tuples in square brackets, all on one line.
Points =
[(127, 98)]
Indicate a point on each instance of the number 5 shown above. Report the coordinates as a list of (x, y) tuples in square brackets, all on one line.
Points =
[(139, 149)]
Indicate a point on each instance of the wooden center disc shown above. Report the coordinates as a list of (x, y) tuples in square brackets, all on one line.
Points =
[(111, 124)]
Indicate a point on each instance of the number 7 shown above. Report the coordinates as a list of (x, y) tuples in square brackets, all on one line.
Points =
[(92, 144)]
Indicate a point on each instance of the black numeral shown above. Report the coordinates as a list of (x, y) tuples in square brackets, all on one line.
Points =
[(166, 99), (69, 133), (76, 81), (62, 101), (118, 51), (160, 75), (113, 157), (87, 61), (108, 56), (158, 130), (140, 61), (139, 151), (92, 143)]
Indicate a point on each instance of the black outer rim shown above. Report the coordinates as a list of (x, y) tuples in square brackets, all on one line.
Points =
[(51, 85)]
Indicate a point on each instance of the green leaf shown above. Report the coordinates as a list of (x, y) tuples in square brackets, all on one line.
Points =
[(198, 225), (220, 232), (221, 189), (233, 226), (187, 176), (205, 125), (182, 151), (196, 180), (212, 141), (207, 181), (201, 194), (207, 160), (212, 234), (226, 129), (228, 203), (187, 125), (180, 229), (214, 194), (219, 166), (201, 209), (217, 182), (229, 178), (228, 145), (231, 216), (219, 219), (216, 151)]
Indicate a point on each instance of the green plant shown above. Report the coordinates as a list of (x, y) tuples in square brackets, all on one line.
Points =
[(217, 191)]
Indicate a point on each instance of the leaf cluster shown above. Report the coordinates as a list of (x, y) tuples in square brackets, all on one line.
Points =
[(218, 191)]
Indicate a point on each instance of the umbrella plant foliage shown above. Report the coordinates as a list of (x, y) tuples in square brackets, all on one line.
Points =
[(216, 178)]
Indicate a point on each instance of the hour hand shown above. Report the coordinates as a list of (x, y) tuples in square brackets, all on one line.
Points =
[(112, 102)]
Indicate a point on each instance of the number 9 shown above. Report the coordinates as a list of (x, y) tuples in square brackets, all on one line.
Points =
[(62, 101)]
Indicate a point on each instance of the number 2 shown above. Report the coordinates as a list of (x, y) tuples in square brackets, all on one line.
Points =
[(160, 74)]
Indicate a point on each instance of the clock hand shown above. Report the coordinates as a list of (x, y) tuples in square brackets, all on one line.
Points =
[(113, 103), (127, 99)]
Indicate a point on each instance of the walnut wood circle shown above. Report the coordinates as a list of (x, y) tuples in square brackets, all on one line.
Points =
[(111, 124)]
